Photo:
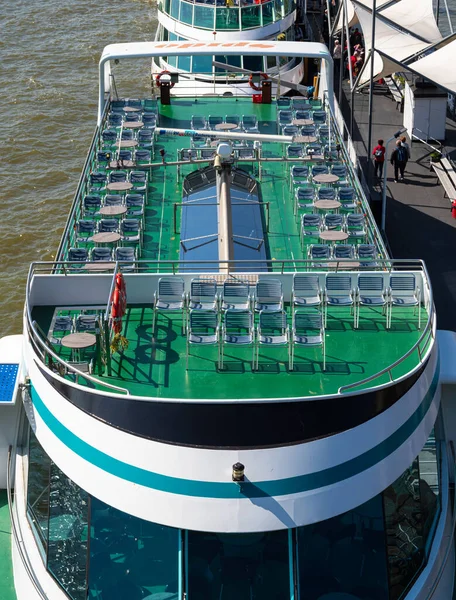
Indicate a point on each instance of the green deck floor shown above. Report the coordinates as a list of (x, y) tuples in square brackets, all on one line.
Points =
[(161, 240), (154, 365), (7, 591)]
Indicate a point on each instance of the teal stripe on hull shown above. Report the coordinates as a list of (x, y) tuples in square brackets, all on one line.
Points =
[(230, 490)]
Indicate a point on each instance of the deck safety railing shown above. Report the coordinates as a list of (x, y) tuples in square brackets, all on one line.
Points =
[(247, 269), (42, 346)]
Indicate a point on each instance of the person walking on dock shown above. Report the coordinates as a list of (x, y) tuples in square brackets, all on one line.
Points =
[(399, 160), (379, 158)]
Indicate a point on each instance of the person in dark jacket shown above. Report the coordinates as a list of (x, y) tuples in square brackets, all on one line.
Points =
[(399, 160)]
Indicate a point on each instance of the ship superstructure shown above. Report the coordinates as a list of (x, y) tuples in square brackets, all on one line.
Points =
[(229, 389)]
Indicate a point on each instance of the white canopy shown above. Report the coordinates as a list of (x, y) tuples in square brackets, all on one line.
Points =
[(415, 15), (352, 19), (391, 41), (439, 67)]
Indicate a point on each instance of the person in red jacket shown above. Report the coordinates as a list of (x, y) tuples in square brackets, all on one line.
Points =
[(379, 158)]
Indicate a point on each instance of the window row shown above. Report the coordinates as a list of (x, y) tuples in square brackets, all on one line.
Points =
[(222, 15), (373, 552)]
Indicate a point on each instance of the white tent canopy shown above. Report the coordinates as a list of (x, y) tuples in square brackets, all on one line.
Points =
[(416, 16), (437, 67), (397, 44)]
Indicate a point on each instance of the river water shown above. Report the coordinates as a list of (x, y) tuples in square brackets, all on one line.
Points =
[(49, 52)]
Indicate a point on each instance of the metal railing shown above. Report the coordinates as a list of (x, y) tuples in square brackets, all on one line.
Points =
[(18, 538), (428, 333), (71, 220), (43, 349)]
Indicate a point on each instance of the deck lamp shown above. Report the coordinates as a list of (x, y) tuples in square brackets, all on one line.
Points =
[(238, 472)]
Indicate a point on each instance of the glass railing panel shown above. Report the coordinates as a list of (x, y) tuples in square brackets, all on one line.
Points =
[(227, 18), (238, 566), (268, 13), (38, 489), (278, 6), (428, 460), (344, 555), (186, 13), (184, 63), (404, 527), (68, 529), (251, 17), (234, 61), (131, 558), (204, 17), (253, 63), (175, 4), (202, 64)]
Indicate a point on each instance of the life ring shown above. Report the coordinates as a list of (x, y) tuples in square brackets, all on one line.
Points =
[(159, 76), (254, 86), (119, 303)]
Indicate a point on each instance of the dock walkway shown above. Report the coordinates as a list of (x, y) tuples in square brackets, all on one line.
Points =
[(418, 217)]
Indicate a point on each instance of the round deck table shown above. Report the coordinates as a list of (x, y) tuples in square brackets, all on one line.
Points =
[(225, 126), (119, 186), (126, 143), (333, 236), (325, 204), (131, 109), (346, 264), (78, 341), (132, 124), (100, 265), (304, 139), (106, 237), (113, 211), (121, 164), (325, 178), (303, 122)]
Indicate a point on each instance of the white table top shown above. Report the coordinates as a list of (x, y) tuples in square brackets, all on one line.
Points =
[(325, 178), (112, 211), (327, 204), (126, 143), (121, 164), (119, 186), (77, 341), (333, 236), (106, 237), (225, 126), (132, 124), (100, 265)]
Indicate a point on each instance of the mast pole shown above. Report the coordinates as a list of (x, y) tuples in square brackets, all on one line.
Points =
[(371, 93)]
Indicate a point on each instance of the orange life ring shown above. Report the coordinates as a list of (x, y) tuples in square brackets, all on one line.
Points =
[(254, 86), (119, 303), (157, 79)]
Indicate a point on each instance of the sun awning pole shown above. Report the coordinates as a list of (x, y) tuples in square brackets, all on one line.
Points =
[(371, 92)]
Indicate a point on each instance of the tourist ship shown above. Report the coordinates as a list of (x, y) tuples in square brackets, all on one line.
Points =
[(227, 21), (225, 388)]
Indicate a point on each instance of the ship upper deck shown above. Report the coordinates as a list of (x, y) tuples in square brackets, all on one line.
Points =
[(287, 225)]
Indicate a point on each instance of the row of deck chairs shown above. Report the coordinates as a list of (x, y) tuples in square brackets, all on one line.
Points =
[(143, 137), (308, 328), (92, 203), (65, 324), (320, 254), (81, 256), (306, 195), (238, 329), (148, 120), (354, 224), (246, 123), (300, 174), (148, 105), (267, 294), (297, 103), (130, 230), (188, 154), (140, 158)]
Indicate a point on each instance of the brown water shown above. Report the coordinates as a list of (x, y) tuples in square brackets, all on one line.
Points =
[(49, 52)]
